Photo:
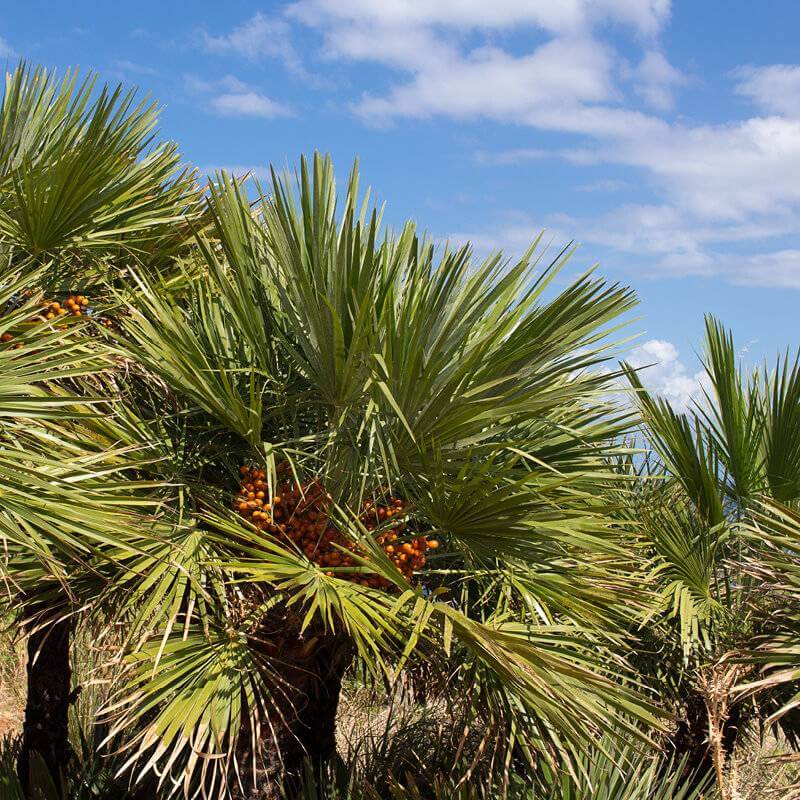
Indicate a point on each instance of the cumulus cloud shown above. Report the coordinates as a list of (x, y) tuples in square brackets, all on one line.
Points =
[(489, 82), (572, 68), (662, 372)]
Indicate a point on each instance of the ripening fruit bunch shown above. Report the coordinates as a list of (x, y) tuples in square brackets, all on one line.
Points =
[(76, 305), (300, 514)]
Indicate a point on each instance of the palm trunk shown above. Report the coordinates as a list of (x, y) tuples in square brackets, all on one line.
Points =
[(717, 684), (707, 734), (690, 740), (316, 685), (300, 733), (45, 730)]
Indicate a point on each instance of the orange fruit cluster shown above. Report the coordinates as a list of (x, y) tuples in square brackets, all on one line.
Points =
[(300, 514), (75, 305)]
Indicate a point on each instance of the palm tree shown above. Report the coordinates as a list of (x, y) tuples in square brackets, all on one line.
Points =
[(84, 194), (697, 504), (57, 507), (338, 365)]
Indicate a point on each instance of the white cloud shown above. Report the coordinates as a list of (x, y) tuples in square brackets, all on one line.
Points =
[(232, 97), (662, 372), (259, 38), (715, 186), (558, 16), (228, 83), (780, 269), (722, 172), (513, 233), (249, 104), (655, 80), (521, 155), (774, 89), (489, 82), (603, 185)]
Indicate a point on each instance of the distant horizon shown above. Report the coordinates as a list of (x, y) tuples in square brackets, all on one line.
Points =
[(663, 137)]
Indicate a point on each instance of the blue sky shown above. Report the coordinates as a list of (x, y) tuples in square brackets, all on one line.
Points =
[(664, 137)]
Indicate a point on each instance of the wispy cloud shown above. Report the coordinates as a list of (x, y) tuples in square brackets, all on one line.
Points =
[(520, 155), (512, 232), (247, 104), (603, 185), (125, 67), (259, 38), (6, 50), (774, 89), (655, 80), (228, 96), (780, 269)]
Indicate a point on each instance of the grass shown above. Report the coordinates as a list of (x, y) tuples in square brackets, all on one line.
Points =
[(12, 681)]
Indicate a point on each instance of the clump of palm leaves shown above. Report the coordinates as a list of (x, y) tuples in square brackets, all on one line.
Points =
[(713, 516)]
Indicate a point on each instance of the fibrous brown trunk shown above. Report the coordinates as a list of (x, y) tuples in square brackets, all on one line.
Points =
[(717, 685), (691, 739), (300, 733), (310, 737), (45, 731)]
